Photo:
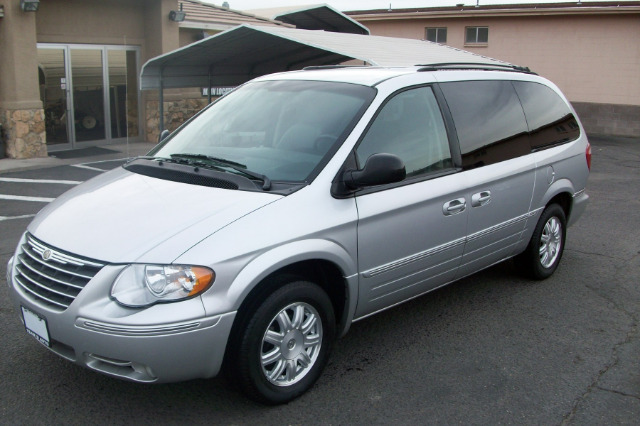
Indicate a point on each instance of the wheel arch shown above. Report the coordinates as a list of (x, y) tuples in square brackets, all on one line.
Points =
[(322, 272), (560, 192), (322, 262)]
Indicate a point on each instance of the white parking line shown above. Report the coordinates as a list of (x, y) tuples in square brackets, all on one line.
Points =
[(82, 166), (24, 216), (24, 198), (106, 161), (61, 182), (85, 166)]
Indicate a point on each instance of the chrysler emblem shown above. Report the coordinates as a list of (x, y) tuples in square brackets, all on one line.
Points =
[(46, 255)]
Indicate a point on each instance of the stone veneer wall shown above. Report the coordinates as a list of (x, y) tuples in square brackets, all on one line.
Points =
[(175, 113), (609, 119), (23, 133)]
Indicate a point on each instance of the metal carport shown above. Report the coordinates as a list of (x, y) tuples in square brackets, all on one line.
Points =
[(321, 17), (237, 55)]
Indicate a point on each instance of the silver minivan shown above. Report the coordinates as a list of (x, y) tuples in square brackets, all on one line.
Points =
[(255, 234)]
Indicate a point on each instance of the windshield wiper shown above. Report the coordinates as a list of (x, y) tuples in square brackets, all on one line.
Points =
[(210, 158), (238, 167)]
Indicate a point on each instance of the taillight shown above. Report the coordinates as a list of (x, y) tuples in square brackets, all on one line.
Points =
[(588, 155)]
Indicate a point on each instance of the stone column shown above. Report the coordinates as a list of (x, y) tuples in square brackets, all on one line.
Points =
[(21, 113)]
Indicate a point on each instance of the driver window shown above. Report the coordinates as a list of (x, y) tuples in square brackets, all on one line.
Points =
[(410, 126)]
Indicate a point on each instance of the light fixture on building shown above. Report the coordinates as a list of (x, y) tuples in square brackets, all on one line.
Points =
[(29, 5), (177, 15)]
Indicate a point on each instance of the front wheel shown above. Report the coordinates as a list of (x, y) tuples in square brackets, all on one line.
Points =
[(543, 254), (286, 343)]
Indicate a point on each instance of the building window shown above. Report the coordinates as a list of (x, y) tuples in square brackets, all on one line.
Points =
[(437, 35), (477, 35)]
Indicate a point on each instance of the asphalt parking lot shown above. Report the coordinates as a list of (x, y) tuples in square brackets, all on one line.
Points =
[(493, 348)]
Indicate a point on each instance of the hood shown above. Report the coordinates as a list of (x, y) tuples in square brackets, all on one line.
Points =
[(123, 217)]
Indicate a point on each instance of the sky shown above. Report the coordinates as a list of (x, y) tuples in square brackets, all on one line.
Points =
[(344, 5)]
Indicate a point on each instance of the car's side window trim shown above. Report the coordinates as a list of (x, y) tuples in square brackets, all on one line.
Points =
[(454, 145)]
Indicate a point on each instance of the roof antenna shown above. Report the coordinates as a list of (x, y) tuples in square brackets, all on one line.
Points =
[(478, 3), (389, 7)]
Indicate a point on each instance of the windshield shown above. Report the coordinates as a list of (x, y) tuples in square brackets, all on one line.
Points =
[(282, 130)]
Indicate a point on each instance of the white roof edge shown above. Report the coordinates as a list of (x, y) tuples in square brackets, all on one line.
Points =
[(203, 26)]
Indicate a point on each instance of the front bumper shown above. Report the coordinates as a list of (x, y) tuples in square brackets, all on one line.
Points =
[(163, 343)]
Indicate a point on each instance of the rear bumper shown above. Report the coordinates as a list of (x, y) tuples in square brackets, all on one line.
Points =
[(580, 201)]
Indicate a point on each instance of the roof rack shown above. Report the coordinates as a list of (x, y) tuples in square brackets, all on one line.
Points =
[(474, 66)]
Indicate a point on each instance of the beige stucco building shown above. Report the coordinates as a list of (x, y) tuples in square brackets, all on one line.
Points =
[(69, 71), (590, 50)]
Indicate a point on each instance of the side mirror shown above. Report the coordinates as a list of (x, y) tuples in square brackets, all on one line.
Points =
[(379, 169), (163, 135)]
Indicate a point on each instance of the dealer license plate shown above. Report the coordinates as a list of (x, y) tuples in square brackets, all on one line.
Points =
[(36, 326)]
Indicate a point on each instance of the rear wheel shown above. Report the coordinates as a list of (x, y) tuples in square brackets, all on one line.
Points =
[(543, 254), (286, 343)]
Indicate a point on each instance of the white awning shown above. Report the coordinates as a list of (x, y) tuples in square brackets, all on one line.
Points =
[(247, 51)]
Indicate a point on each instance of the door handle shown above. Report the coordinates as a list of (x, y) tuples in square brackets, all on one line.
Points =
[(481, 198), (454, 207)]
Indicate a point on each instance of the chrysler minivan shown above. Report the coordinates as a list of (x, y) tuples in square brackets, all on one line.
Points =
[(259, 231)]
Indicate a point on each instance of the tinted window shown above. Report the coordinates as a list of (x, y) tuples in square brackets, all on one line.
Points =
[(410, 126), (489, 121), (549, 118)]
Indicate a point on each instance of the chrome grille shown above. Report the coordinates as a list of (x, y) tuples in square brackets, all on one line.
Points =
[(50, 276)]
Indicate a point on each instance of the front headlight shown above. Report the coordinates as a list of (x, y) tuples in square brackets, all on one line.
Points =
[(145, 285)]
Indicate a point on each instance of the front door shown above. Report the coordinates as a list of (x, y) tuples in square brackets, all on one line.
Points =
[(89, 94), (411, 235)]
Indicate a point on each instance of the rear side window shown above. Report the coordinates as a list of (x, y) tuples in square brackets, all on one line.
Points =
[(489, 121), (549, 117), (410, 126)]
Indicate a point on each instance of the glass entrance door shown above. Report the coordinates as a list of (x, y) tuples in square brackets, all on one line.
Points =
[(87, 79), (52, 75), (123, 93), (89, 94)]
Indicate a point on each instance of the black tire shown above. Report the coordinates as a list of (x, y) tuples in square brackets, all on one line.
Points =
[(532, 262), (299, 299)]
